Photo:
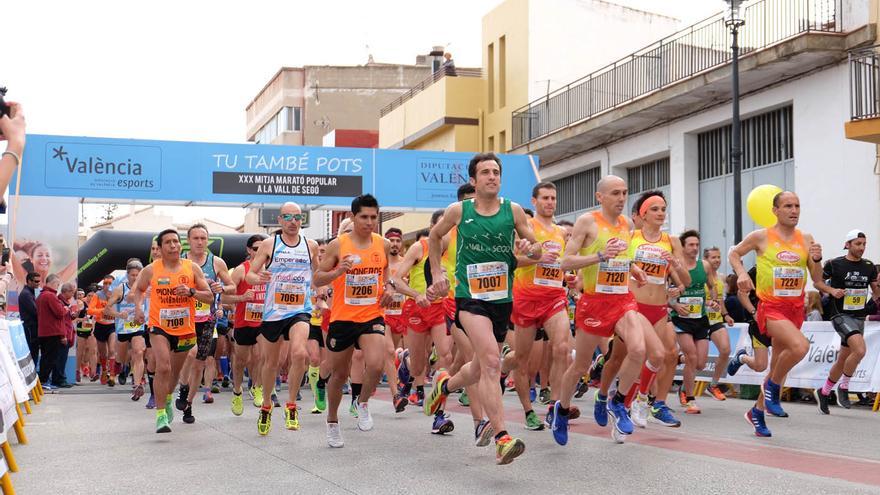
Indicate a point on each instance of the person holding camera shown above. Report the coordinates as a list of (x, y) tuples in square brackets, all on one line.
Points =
[(12, 129)]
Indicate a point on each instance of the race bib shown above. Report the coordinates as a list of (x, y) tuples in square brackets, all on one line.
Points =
[(361, 290), (290, 297), (88, 325), (173, 318), (253, 312), (715, 317), (396, 306), (488, 281), (548, 275), (652, 263), (130, 327), (613, 276), (203, 310), (788, 281), (694, 306), (855, 299)]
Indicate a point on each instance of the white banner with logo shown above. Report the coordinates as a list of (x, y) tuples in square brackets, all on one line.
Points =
[(812, 370)]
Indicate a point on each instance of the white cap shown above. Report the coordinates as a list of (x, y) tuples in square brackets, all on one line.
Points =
[(853, 235)]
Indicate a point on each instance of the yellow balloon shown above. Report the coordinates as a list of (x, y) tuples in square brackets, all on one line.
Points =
[(760, 204)]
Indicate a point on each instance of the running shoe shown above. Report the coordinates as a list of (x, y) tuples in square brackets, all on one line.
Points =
[(692, 408), (544, 396), (352, 408), (559, 425), (661, 414), (582, 388), (264, 421), (756, 419), (237, 404), (403, 374), (215, 387), (596, 370), (291, 417), (639, 411), (93, 378), (182, 396), (104, 378), (225, 381), (483, 433), (163, 424), (400, 403), (548, 418), (321, 399), (434, 357), (821, 401), (208, 397), (843, 398), (600, 409), (299, 395), (420, 397), (49, 386), (437, 399), (620, 417), (715, 392), (334, 436), (413, 398), (682, 397), (151, 402), (504, 384), (365, 420), (771, 399), (346, 389), (735, 364), (86, 371), (169, 409), (315, 410), (442, 424), (257, 393), (122, 377), (111, 381), (137, 393), (507, 449), (533, 422), (463, 399), (274, 398), (188, 417)]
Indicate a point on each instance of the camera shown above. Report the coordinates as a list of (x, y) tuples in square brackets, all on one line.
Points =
[(4, 108)]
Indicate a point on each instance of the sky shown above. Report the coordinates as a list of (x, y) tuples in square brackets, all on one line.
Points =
[(182, 71)]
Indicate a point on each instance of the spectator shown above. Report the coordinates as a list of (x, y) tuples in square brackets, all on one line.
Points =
[(53, 317), (448, 64), (813, 308), (74, 306), (27, 307), (731, 302), (12, 130)]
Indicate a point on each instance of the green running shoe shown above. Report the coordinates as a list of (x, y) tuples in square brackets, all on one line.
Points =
[(321, 399), (533, 422), (264, 421), (162, 423), (237, 404), (257, 392)]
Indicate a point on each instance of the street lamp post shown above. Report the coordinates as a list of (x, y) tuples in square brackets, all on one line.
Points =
[(734, 21)]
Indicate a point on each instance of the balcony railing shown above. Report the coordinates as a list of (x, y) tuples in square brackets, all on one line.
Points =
[(864, 83), (700, 47), (436, 76)]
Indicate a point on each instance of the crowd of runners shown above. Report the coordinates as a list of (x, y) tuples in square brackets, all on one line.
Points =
[(496, 296)]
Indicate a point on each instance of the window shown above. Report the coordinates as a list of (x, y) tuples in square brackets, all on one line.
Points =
[(288, 119), (294, 122), (491, 145), (648, 176), (766, 138), (502, 72), (502, 141), (577, 192), (490, 61)]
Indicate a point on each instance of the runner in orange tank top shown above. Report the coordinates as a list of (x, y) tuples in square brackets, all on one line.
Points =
[(174, 284), (356, 265), (784, 256)]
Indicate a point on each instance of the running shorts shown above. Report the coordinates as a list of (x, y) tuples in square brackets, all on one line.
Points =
[(181, 343), (597, 314), (533, 312), (316, 334), (846, 326), (698, 328), (104, 331), (246, 335), (497, 313), (654, 312), (422, 320), (273, 330), (396, 324), (344, 334), (779, 311)]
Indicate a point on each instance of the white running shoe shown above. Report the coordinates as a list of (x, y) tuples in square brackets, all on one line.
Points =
[(334, 436), (640, 410), (365, 421)]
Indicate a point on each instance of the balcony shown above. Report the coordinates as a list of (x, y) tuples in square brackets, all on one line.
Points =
[(684, 72), (433, 78), (864, 95)]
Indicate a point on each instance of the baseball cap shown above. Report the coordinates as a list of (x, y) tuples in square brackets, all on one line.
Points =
[(853, 235)]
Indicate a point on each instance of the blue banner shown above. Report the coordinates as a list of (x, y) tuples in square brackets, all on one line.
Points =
[(22, 352), (213, 173)]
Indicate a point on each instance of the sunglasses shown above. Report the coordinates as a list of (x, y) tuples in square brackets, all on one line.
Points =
[(287, 217)]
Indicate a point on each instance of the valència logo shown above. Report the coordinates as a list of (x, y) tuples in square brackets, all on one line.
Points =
[(101, 169)]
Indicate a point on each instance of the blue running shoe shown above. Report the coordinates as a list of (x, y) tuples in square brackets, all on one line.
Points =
[(533, 394), (403, 374), (442, 424), (618, 413), (661, 414), (559, 425), (735, 364), (772, 403), (600, 409), (756, 419)]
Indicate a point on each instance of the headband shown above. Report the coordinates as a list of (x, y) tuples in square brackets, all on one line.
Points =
[(649, 203), (393, 234)]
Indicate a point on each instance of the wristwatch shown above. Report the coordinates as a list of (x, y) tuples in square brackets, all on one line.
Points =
[(192, 292), (601, 256)]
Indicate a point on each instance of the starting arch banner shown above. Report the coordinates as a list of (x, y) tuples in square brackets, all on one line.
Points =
[(105, 169)]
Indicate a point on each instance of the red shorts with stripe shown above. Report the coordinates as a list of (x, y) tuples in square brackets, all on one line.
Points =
[(396, 323), (779, 311), (533, 312), (654, 312), (598, 313), (449, 306), (421, 320)]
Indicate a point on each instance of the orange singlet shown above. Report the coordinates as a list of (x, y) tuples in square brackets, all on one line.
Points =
[(356, 294), (168, 312)]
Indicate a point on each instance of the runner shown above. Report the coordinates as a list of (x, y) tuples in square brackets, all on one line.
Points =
[(426, 323), (850, 276), (784, 254), (315, 344), (129, 334), (356, 265), (105, 332), (689, 317), (718, 317), (174, 284), (248, 300), (760, 343), (540, 306), (86, 352), (485, 262), (202, 358), (598, 247), (395, 322), (285, 264), (155, 253)]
